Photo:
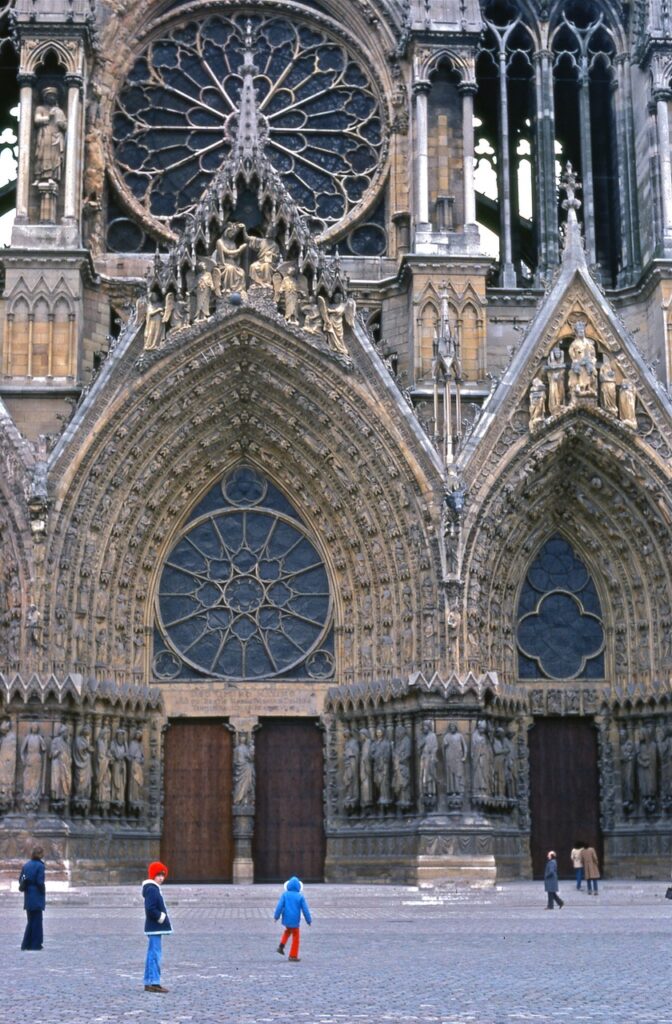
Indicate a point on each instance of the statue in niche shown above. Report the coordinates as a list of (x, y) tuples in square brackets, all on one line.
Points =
[(267, 258), (555, 370), (154, 322), (118, 771), (481, 761), (230, 276), (103, 776), (7, 764), (537, 402), (500, 754), (582, 373), (136, 772), (312, 318), (350, 771), (82, 757), (381, 752), (401, 767), (51, 125), (608, 387), (33, 753), (243, 772), (454, 758), (61, 768), (289, 289), (647, 767), (365, 776), (205, 286), (628, 761), (333, 319), (429, 748), (175, 313), (627, 404)]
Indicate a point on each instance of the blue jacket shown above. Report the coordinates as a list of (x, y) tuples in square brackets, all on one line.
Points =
[(34, 893), (291, 904), (157, 921), (551, 875)]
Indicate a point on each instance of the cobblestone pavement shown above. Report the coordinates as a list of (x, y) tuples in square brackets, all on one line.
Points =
[(374, 954)]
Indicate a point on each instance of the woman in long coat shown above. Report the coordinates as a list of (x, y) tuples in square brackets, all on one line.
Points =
[(591, 869), (551, 881)]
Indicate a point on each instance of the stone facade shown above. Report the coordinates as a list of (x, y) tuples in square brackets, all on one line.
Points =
[(282, 437)]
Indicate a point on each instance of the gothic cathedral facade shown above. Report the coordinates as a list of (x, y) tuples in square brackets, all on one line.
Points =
[(336, 437)]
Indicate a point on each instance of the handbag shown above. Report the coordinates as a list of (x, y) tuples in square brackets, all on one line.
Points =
[(668, 893), (23, 881)]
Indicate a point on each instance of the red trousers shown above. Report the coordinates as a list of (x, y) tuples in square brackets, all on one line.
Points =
[(294, 932)]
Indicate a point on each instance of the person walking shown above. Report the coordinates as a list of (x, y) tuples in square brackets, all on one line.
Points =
[(591, 869), (577, 863), (551, 881), (291, 905), (31, 884), (157, 924)]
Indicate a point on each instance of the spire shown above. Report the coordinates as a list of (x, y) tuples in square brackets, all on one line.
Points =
[(573, 250), (250, 130)]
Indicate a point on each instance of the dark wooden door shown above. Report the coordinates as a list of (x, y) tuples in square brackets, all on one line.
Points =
[(564, 790), (289, 823), (197, 843)]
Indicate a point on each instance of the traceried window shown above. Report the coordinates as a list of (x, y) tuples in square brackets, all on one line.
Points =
[(243, 594), (560, 632), (317, 102)]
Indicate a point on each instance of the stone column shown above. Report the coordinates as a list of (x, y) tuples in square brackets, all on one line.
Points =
[(72, 147), (662, 97), (547, 204), (468, 89), (586, 160), (243, 799), (421, 92), (26, 82), (508, 273)]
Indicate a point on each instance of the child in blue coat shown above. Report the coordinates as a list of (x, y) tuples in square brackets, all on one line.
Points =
[(157, 923), (291, 905)]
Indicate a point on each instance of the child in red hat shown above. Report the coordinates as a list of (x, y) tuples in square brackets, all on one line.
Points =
[(157, 923)]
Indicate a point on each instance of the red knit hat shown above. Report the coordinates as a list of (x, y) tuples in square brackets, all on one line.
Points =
[(157, 868)]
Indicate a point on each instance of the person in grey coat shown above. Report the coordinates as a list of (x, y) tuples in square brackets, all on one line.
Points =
[(551, 881)]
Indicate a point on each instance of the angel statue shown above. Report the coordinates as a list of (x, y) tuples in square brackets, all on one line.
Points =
[(175, 315), (332, 321), (229, 275), (154, 322), (206, 283)]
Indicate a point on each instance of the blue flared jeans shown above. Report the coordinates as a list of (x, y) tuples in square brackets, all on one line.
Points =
[(153, 960)]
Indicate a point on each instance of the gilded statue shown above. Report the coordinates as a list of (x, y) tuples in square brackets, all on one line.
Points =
[(627, 404), (608, 387), (206, 284), (555, 371), (267, 257), (582, 373), (333, 319), (537, 402), (154, 322), (229, 274)]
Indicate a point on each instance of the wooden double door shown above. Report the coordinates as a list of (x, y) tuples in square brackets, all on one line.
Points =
[(564, 790), (197, 842)]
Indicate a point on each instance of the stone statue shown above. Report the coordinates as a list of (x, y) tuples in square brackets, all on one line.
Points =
[(665, 752), (33, 751), (51, 125), (154, 322), (608, 387), (454, 758), (230, 275), (205, 286), (268, 256), (175, 314), (401, 767), (136, 773), (628, 758), (103, 778), (627, 402), (647, 767), (381, 752), (289, 293), (555, 371), (243, 773), (333, 318), (61, 768), (118, 771), (365, 779), (82, 757), (7, 764), (481, 761), (350, 771), (429, 748), (537, 402), (510, 785), (312, 318), (583, 364), (499, 758)]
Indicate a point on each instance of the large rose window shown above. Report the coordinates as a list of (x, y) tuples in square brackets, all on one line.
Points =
[(244, 594), (318, 109)]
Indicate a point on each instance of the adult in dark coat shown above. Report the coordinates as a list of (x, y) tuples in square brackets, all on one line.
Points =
[(31, 883), (551, 881)]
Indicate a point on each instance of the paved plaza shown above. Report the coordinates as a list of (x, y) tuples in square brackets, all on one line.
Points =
[(374, 954)]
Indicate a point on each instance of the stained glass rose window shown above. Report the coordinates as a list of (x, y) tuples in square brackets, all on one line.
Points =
[(318, 107)]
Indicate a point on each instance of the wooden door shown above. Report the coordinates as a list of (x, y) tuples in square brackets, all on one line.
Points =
[(564, 790), (197, 843), (289, 823)]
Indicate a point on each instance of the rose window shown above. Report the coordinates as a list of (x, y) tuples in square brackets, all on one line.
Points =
[(318, 108), (244, 594)]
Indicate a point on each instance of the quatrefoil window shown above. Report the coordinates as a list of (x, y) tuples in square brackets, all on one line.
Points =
[(560, 633), (318, 107), (244, 593)]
